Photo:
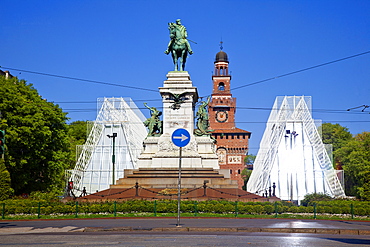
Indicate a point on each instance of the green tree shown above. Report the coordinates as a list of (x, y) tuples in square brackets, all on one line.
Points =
[(249, 159), (337, 136), (5, 190), (246, 174), (36, 138), (355, 157), (77, 136)]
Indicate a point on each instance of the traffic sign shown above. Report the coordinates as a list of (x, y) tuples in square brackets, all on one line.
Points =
[(181, 137)]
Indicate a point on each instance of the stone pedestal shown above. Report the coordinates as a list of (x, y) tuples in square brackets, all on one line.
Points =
[(160, 152), (178, 83)]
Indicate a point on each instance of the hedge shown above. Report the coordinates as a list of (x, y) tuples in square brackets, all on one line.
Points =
[(43, 207)]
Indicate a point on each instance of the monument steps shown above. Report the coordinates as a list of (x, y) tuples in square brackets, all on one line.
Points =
[(174, 173), (168, 178)]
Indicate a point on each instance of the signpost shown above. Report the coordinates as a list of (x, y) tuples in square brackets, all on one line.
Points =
[(180, 138)]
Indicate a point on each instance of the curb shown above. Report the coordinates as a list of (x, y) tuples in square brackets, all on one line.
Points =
[(234, 229)]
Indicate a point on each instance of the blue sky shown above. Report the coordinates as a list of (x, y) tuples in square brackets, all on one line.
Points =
[(123, 42)]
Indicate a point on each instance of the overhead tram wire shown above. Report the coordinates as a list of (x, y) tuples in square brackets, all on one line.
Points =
[(238, 107), (297, 71), (79, 79), (301, 70), (94, 102)]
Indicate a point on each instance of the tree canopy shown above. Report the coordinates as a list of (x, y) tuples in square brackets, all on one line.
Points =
[(355, 159), (5, 190), (336, 135), (77, 134), (37, 148)]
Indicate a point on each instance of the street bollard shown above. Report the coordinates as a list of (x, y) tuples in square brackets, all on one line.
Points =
[(76, 213), (38, 210), (276, 209)]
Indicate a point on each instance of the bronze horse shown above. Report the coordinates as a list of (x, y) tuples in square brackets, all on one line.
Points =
[(178, 47)]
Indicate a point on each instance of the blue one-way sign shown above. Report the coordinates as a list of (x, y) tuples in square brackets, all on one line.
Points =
[(181, 137)]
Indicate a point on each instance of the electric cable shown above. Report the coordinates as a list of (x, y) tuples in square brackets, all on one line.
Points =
[(301, 70), (79, 79)]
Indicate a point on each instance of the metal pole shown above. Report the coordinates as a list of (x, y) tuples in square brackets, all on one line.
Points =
[(3, 212), (276, 210), (113, 157), (179, 191), (76, 213), (38, 210)]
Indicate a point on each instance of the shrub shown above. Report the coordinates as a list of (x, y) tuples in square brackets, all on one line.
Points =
[(294, 209), (269, 209), (258, 209), (309, 198)]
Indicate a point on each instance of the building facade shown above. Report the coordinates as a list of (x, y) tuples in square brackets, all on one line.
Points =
[(231, 142)]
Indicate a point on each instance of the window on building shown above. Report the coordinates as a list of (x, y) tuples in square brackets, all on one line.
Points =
[(221, 86)]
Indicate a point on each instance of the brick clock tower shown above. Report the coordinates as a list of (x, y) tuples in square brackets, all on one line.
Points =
[(231, 142)]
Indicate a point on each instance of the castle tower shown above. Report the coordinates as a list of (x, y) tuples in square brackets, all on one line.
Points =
[(232, 142)]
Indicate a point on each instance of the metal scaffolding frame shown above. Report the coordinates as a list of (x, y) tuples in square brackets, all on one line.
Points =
[(93, 168), (292, 154)]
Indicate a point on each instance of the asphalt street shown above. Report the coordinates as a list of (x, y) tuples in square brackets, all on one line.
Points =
[(188, 224), (142, 238), (193, 232)]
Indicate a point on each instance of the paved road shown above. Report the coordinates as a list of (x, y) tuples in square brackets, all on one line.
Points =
[(140, 238), (193, 232), (188, 224)]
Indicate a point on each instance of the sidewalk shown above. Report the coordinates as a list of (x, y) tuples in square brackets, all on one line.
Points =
[(188, 225)]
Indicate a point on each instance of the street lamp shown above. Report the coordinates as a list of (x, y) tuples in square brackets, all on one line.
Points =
[(113, 155)]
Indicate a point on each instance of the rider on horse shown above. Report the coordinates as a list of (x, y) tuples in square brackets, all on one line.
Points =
[(184, 35)]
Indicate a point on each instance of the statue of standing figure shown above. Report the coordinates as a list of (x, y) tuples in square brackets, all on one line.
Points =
[(203, 120), (153, 123), (178, 46)]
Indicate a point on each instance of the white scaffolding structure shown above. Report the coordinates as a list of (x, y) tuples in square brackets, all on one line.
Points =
[(93, 168), (292, 155)]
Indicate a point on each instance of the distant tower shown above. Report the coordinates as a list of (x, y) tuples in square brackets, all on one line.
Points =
[(232, 142)]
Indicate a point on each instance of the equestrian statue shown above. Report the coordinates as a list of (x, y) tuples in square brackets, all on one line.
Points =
[(178, 46)]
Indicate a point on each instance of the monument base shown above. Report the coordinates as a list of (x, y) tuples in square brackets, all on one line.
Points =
[(199, 184), (160, 152), (168, 178)]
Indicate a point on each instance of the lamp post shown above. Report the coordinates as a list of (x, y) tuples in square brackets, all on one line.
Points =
[(114, 135)]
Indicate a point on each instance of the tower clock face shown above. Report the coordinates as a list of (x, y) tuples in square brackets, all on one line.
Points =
[(221, 116)]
